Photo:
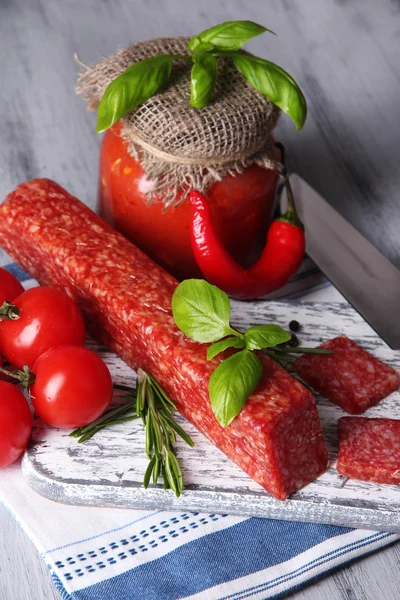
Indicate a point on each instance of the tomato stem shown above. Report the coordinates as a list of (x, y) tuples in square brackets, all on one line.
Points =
[(9, 312), (25, 377)]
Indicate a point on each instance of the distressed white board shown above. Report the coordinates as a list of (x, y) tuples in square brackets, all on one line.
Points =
[(108, 470)]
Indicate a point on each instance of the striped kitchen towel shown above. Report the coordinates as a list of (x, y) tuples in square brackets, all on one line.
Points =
[(119, 554)]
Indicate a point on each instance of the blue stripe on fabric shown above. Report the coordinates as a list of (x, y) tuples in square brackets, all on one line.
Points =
[(103, 533), (15, 270), (340, 552), (316, 562), (61, 589), (329, 569), (219, 557), (361, 544)]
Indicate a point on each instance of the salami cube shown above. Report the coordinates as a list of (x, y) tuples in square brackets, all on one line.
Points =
[(350, 377), (369, 449), (126, 300)]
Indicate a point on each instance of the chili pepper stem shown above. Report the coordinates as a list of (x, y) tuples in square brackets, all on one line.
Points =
[(25, 377), (291, 215)]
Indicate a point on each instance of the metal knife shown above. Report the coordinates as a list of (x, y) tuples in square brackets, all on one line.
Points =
[(366, 278)]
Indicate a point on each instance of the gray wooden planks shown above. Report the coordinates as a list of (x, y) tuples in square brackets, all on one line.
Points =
[(23, 573), (345, 53)]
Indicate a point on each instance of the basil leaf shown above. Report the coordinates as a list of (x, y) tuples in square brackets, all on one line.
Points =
[(274, 83), (229, 342), (195, 46), (193, 43), (135, 85), (265, 336), (201, 311), (203, 79), (231, 384), (231, 35)]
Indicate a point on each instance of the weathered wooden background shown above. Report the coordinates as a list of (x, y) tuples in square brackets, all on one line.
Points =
[(346, 56)]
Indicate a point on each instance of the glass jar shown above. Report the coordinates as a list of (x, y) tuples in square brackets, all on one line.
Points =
[(242, 207)]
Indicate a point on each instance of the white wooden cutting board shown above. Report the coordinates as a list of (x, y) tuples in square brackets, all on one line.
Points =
[(108, 470)]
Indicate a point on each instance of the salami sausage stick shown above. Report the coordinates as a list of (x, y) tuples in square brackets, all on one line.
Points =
[(126, 300)]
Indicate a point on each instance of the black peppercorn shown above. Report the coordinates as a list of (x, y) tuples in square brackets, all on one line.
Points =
[(294, 326)]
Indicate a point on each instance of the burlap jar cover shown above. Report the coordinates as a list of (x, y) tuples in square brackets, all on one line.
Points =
[(181, 147)]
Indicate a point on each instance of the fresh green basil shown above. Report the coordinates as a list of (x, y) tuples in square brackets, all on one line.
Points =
[(229, 342), (195, 45), (265, 336), (201, 311), (135, 85), (203, 79), (274, 83), (147, 77), (230, 35), (231, 384)]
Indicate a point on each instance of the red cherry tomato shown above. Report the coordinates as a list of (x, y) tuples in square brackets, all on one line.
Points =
[(15, 423), (48, 318), (73, 387), (10, 287)]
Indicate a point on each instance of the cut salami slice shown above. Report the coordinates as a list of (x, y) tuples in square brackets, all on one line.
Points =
[(126, 300), (369, 449), (350, 377)]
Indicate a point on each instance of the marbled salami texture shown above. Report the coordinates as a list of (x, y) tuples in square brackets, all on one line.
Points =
[(350, 377), (369, 449), (126, 298)]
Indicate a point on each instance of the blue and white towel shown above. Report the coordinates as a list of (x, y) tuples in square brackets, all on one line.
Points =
[(118, 554)]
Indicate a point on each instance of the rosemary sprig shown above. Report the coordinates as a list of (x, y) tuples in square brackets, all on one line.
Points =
[(298, 350), (283, 357), (150, 403), (155, 408), (113, 416)]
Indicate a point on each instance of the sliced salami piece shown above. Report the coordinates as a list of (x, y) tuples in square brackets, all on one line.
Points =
[(350, 377), (369, 449), (126, 300)]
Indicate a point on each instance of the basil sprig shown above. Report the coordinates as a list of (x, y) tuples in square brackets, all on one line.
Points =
[(202, 312), (147, 77)]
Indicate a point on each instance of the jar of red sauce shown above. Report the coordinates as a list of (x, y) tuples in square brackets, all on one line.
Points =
[(241, 207)]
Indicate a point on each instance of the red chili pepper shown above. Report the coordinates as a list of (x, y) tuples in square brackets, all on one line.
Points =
[(279, 261)]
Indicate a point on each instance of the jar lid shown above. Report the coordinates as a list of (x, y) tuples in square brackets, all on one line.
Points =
[(181, 147)]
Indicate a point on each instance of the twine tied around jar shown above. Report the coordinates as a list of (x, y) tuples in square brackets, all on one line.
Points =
[(182, 148)]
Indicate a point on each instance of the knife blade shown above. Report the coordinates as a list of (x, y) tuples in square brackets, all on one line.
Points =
[(366, 278)]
